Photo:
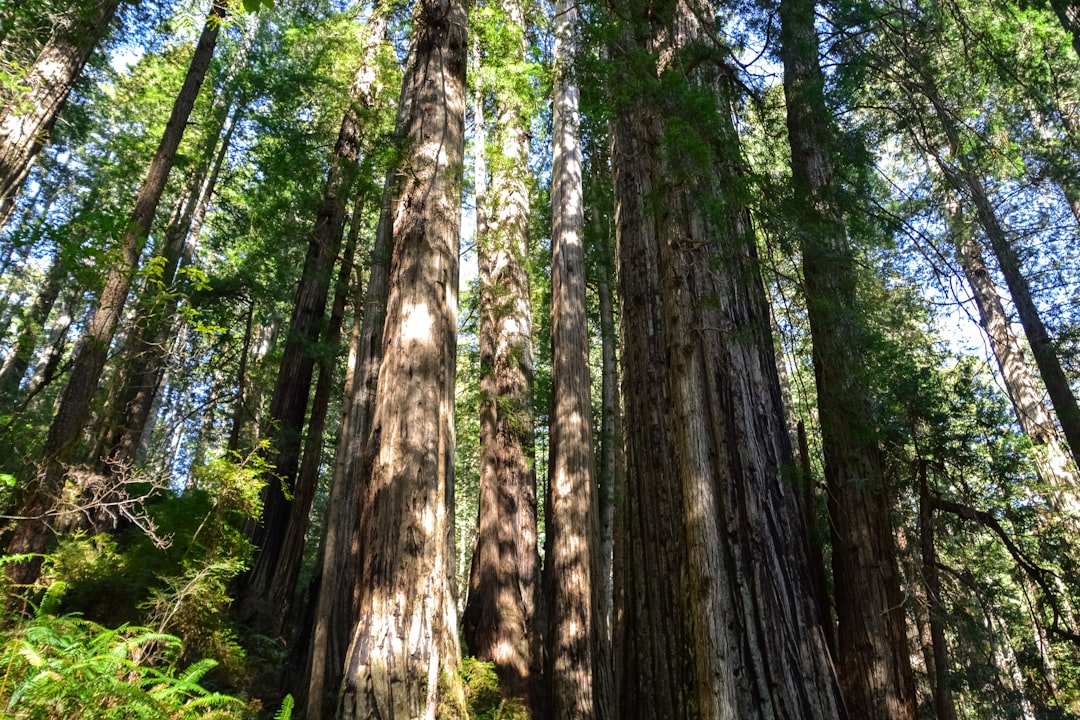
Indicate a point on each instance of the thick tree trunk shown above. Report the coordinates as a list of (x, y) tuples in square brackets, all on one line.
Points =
[(498, 620), (1054, 466), (873, 662), (403, 657), (27, 118), (577, 659), (751, 646), (34, 535), (279, 549)]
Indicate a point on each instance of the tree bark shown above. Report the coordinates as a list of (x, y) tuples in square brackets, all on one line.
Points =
[(403, 657), (498, 622), (873, 662), (156, 314), (944, 706), (964, 179), (338, 568), (578, 669), (751, 646), (28, 117), (279, 548), (1054, 467), (31, 327), (33, 535), (147, 345)]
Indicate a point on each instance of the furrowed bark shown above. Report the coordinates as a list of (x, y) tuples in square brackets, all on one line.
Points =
[(403, 657), (873, 662)]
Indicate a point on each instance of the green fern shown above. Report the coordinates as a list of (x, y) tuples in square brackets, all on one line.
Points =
[(65, 666)]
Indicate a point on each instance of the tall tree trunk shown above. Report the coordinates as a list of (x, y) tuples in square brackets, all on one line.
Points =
[(33, 535), (578, 666), (338, 566), (498, 620), (873, 662), (964, 179), (155, 317), (610, 444), (147, 344), (403, 657), (289, 402), (27, 118), (751, 646), (1054, 467), (283, 586)]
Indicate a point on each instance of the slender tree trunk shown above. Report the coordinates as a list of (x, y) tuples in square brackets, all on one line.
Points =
[(27, 118), (498, 620), (578, 666), (873, 662), (609, 444), (33, 535), (283, 585), (1053, 465), (966, 181), (32, 325), (944, 706), (279, 549), (148, 342), (403, 657), (239, 411)]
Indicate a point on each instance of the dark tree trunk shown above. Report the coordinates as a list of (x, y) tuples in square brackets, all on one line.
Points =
[(28, 117), (34, 535), (32, 325), (944, 706), (338, 566), (873, 661), (279, 548), (148, 342), (403, 657)]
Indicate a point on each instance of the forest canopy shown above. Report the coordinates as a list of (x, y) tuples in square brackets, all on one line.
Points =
[(471, 359)]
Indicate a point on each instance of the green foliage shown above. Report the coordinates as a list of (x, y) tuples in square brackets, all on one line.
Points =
[(67, 667), (483, 697)]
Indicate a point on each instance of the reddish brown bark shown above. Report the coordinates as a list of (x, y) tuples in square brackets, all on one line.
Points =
[(403, 657), (498, 621)]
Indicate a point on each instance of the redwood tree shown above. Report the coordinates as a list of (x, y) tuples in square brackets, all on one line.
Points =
[(750, 645), (872, 659), (498, 621), (404, 651), (28, 115)]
